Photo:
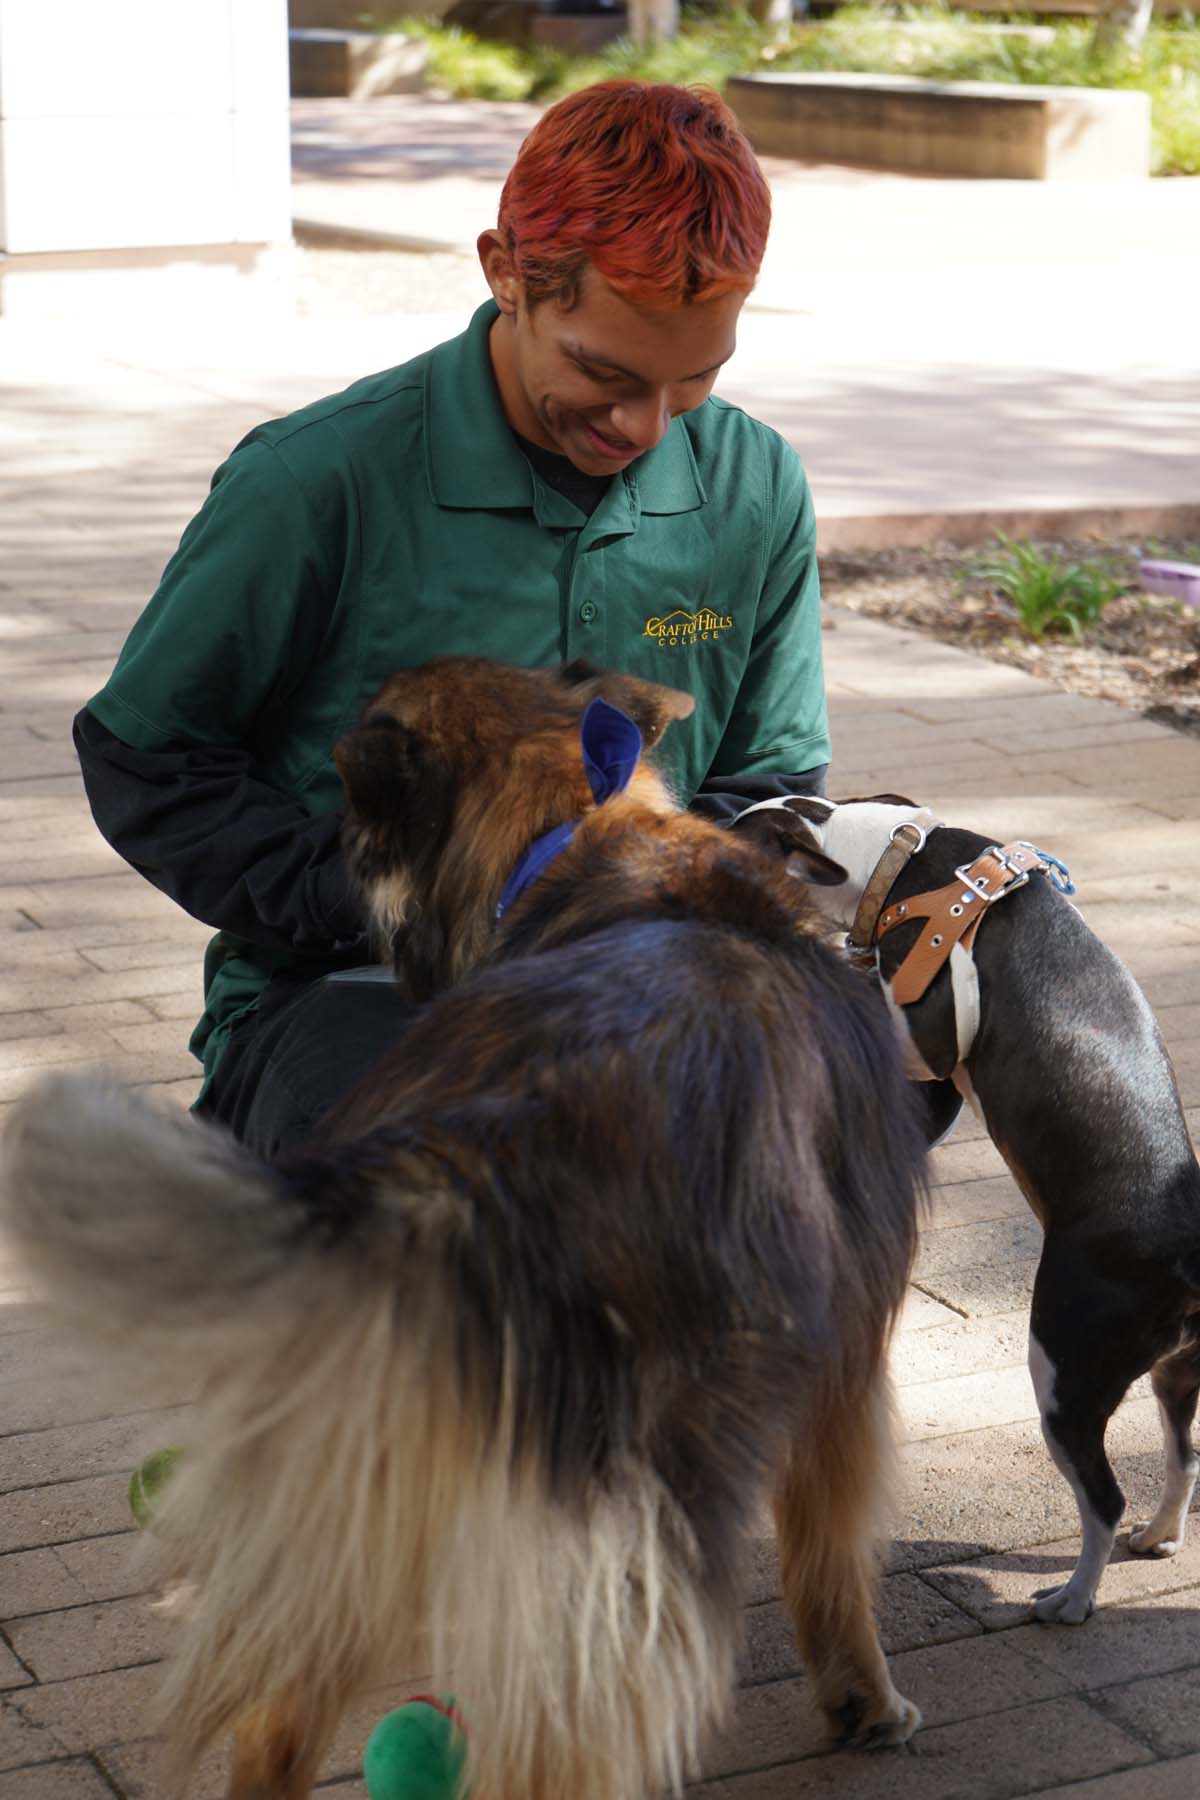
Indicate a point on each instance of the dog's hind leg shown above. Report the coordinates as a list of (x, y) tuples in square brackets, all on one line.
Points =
[(1087, 1345), (1176, 1381), (829, 1511), (278, 1749)]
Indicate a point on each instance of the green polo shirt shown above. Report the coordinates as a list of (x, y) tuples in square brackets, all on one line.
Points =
[(399, 521)]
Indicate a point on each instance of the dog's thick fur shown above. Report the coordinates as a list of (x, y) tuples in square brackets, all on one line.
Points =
[(497, 1371)]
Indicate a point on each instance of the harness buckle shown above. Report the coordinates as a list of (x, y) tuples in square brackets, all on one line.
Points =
[(979, 884)]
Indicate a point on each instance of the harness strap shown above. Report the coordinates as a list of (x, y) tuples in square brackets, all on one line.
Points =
[(952, 913)]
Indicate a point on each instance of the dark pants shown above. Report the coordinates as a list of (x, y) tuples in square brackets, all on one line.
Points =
[(303, 1050), (300, 1052)]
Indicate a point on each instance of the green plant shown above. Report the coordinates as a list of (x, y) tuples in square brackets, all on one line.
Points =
[(1047, 594)]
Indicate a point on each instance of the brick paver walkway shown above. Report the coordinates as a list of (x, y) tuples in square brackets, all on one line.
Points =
[(113, 456)]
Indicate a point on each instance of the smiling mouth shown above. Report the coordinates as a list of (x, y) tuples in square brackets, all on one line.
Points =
[(609, 446)]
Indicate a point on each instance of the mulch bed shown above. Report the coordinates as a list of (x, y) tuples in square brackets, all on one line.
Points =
[(1144, 652)]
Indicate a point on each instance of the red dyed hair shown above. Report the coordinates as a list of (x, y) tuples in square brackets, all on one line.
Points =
[(656, 186)]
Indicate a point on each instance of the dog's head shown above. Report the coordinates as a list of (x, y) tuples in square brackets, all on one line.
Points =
[(456, 767), (850, 836)]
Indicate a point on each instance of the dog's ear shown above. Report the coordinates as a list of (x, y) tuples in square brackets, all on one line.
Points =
[(573, 674), (651, 706), (379, 762), (783, 833)]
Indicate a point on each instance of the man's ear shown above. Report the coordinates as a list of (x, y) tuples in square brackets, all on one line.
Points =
[(499, 271), (782, 833)]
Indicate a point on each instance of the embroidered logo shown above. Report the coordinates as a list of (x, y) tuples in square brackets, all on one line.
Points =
[(679, 630)]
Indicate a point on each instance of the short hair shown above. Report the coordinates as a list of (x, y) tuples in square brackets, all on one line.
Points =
[(655, 186)]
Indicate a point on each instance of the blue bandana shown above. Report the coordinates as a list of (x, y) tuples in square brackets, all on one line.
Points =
[(611, 744)]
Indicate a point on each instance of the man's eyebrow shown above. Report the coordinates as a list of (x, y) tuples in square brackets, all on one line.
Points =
[(580, 353)]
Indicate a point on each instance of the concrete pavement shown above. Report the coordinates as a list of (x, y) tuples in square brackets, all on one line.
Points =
[(112, 442)]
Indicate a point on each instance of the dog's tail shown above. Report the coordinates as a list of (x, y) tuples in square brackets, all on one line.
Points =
[(355, 1492)]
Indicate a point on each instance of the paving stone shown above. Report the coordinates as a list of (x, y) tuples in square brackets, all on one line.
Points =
[(974, 1202), (67, 1452), (778, 1721), (78, 981), (22, 1742), (976, 1159), (996, 1588), (29, 1353), (31, 1580), (106, 1568), (961, 1403), (93, 1710), (155, 954), (78, 1396), (1118, 1643), (996, 1488), (75, 1780), (1010, 1753), (960, 1347), (1157, 1781), (921, 1312), (993, 1241), (985, 1289), (13, 1673), (1162, 1710), (88, 1640), (910, 1613), (33, 1517), (18, 1313)]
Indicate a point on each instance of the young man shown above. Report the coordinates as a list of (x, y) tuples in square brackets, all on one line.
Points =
[(557, 482)]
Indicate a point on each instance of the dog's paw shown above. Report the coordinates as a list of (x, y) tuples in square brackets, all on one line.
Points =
[(1062, 1605), (894, 1727), (1144, 1542), (857, 1725)]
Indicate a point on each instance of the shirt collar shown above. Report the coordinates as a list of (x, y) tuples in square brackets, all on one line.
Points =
[(472, 459)]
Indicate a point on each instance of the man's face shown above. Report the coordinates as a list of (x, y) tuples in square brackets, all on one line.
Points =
[(599, 381)]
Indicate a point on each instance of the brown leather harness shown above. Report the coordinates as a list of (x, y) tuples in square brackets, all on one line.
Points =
[(952, 914)]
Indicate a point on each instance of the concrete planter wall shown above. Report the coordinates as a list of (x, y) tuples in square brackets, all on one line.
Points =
[(978, 128), (136, 125)]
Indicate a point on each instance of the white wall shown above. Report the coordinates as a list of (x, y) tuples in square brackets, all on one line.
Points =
[(143, 123)]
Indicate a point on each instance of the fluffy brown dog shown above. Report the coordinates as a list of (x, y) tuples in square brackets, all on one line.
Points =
[(498, 1372)]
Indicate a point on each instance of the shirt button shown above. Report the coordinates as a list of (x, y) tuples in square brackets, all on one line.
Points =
[(587, 612)]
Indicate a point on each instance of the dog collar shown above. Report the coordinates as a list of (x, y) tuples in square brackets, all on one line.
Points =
[(906, 840), (611, 745)]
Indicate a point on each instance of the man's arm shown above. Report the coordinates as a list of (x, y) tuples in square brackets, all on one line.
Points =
[(166, 747), (722, 798), (203, 826)]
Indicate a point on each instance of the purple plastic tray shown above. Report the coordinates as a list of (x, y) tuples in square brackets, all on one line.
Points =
[(1180, 580)]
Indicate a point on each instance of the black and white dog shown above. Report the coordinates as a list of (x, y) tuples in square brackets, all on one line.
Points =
[(1047, 1034)]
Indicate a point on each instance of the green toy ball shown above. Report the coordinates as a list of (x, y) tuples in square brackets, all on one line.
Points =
[(147, 1483), (416, 1753)]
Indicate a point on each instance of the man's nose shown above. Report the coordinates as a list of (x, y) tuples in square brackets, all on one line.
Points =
[(644, 421)]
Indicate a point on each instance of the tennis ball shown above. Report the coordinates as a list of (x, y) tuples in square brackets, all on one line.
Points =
[(415, 1753), (147, 1482)]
